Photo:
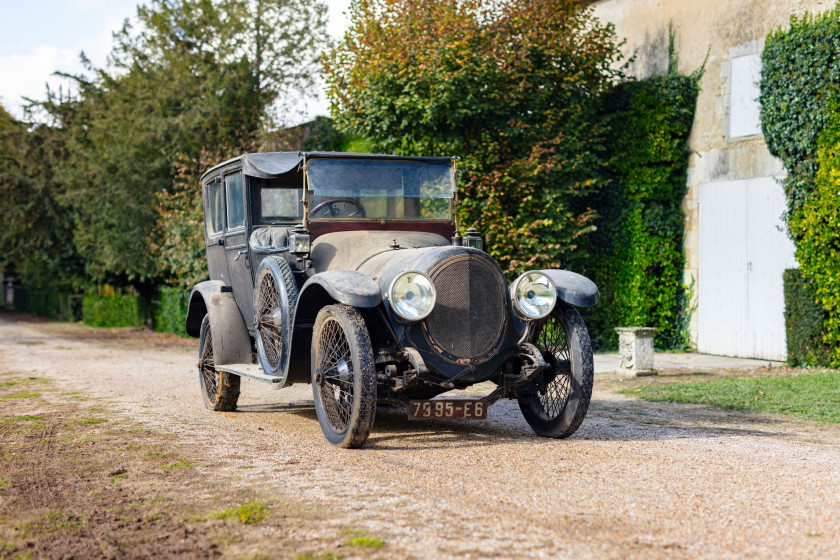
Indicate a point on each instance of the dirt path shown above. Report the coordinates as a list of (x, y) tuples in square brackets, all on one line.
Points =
[(638, 480)]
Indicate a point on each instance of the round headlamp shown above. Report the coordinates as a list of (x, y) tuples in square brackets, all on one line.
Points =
[(534, 295), (412, 296)]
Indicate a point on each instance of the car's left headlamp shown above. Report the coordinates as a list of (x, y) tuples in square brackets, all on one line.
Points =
[(412, 296), (534, 295)]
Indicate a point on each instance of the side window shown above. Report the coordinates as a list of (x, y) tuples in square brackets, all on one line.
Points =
[(213, 207), (235, 198)]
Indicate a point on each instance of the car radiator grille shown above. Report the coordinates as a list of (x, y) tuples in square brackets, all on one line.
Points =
[(469, 315)]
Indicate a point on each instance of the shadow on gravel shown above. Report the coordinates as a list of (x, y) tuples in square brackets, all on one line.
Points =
[(608, 420)]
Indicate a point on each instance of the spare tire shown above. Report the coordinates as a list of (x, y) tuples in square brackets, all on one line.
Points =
[(275, 300)]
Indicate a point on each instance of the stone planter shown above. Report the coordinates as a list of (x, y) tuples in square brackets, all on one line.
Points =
[(635, 350)]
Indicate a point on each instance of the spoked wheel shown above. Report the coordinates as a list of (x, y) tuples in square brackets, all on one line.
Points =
[(219, 389), (343, 376), (555, 403), (275, 299)]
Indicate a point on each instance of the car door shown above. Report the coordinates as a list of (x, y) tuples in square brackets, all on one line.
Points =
[(237, 254), (214, 223)]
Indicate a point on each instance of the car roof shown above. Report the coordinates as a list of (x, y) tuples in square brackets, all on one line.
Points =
[(267, 165)]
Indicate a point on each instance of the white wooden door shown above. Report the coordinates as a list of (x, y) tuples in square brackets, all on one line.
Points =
[(744, 250)]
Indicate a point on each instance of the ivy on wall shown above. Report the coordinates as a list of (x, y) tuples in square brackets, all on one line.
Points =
[(800, 75), (800, 89), (637, 256)]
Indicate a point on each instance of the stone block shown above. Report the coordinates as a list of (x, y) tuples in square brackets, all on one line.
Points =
[(635, 351)]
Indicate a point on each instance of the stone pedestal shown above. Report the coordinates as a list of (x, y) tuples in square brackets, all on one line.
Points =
[(635, 350)]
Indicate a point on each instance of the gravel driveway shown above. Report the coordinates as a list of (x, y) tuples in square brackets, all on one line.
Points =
[(638, 480)]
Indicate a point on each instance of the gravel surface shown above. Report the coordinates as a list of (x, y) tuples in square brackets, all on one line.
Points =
[(638, 480)]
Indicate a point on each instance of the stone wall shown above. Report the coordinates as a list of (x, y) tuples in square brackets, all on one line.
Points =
[(726, 30)]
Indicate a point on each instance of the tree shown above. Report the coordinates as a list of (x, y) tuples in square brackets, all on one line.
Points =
[(196, 82), (511, 86)]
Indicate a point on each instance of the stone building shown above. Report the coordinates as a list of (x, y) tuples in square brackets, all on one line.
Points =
[(736, 243)]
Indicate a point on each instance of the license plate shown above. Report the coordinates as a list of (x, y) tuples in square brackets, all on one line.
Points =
[(472, 409)]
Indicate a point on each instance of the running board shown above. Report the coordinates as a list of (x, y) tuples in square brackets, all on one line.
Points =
[(251, 371)]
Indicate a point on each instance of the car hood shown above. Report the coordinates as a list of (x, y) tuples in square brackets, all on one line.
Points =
[(350, 250)]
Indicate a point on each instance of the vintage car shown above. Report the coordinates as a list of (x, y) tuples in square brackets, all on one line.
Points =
[(347, 271)]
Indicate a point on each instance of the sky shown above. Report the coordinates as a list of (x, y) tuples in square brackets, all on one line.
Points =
[(40, 37)]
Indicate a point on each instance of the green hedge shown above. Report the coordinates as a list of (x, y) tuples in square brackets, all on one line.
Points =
[(636, 253), (113, 311), (800, 89), (803, 322), (46, 303), (170, 310)]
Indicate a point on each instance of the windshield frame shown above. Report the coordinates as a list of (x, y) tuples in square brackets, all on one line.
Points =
[(309, 190)]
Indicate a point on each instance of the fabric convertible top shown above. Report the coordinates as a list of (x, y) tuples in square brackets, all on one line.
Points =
[(273, 164)]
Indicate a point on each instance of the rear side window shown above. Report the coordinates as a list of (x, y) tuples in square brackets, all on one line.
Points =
[(235, 198), (213, 208)]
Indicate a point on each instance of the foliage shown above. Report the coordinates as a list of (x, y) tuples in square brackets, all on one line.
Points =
[(46, 303), (800, 74), (803, 322), (811, 396), (800, 88), (816, 227), (106, 186), (512, 85), (37, 239), (113, 311), (636, 253), (170, 310)]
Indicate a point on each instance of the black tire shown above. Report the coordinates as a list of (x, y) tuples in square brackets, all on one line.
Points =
[(343, 376), (219, 389), (275, 300), (555, 403)]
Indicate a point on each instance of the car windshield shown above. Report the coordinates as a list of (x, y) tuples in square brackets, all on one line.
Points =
[(380, 189)]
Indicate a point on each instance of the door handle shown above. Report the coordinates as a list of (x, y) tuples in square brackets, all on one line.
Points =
[(239, 254)]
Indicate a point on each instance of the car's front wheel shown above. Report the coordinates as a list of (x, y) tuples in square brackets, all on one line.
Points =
[(555, 403), (343, 376)]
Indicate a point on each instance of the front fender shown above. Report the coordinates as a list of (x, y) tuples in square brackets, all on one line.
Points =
[(345, 286), (573, 288), (231, 341)]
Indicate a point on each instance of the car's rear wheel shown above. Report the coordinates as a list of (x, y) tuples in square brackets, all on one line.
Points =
[(555, 403), (275, 299), (343, 376), (220, 390)]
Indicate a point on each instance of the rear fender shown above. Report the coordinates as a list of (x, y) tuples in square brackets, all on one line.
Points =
[(231, 341)]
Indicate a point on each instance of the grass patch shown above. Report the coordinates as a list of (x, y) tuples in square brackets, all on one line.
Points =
[(814, 396), (16, 419), (250, 512), (365, 542), (176, 465), (22, 395), (90, 421)]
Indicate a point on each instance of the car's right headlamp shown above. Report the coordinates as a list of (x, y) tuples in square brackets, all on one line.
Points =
[(534, 295), (412, 296)]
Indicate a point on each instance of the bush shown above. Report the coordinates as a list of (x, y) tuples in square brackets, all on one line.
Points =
[(816, 227), (46, 303), (803, 322), (170, 310), (113, 311), (637, 256), (800, 87)]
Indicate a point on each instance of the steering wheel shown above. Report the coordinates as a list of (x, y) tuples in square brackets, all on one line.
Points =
[(331, 210)]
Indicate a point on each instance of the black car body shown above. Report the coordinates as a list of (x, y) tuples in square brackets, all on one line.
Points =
[(346, 271)]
